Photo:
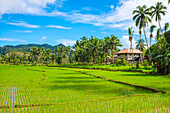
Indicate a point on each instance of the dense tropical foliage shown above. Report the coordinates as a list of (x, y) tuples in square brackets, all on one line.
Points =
[(159, 52)]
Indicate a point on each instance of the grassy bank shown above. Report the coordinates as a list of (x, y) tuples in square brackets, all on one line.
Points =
[(141, 68)]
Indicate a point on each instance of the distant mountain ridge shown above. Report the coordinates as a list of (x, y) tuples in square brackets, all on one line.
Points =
[(25, 47)]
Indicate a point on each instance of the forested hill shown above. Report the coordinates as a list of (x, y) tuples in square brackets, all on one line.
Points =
[(27, 47)]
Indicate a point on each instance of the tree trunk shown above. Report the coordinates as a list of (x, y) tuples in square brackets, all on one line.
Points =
[(146, 38), (150, 40), (94, 59), (140, 49), (165, 69), (160, 26), (158, 66), (104, 58), (132, 54), (112, 54)]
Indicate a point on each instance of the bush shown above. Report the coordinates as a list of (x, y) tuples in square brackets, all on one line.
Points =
[(16, 62), (145, 64), (113, 65), (118, 62), (34, 63), (121, 62)]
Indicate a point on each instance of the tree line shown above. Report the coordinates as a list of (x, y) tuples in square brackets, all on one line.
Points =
[(85, 51)]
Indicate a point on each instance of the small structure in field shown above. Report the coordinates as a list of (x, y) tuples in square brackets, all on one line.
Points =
[(127, 54)]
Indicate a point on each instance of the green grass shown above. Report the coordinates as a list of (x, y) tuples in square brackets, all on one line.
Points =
[(71, 91), (148, 80), (112, 67)]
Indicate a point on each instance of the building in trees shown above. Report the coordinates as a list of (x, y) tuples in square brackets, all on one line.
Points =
[(129, 54)]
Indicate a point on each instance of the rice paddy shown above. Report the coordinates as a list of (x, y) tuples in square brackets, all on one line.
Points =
[(52, 89)]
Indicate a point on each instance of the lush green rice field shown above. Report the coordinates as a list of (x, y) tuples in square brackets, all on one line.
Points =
[(45, 89)]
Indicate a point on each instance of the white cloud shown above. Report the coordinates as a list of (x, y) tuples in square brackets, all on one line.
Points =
[(12, 40), (58, 27), (126, 43), (43, 38), (112, 6), (66, 42), (119, 17), (24, 31), (35, 7), (23, 24)]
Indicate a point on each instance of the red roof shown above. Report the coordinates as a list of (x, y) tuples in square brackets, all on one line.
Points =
[(129, 51)]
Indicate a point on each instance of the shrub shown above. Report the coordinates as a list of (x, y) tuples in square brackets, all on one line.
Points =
[(121, 62), (113, 65), (118, 62), (16, 62), (145, 64), (34, 63)]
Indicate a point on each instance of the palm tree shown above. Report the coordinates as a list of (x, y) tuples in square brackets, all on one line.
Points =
[(166, 27), (114, 42), (158, 35), (104, 48), (77, 47), (140, 44), (56, 49), (67, 50), (158, 10), (95, 47), (35, 52), (130, 32), (142, 18), (151, 32)]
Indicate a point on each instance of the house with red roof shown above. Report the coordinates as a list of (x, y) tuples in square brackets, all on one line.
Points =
[(127, 54)]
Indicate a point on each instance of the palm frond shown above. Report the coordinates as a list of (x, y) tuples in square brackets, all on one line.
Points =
[(159, 56)]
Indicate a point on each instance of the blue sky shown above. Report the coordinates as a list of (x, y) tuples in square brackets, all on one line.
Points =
[(65, 21)]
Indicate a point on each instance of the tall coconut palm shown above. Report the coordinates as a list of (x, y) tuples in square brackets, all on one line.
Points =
[(166, 27), (157, 11), (142, 18), (151, 32), (130, 32)]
